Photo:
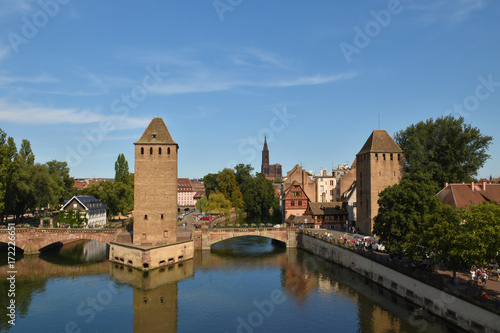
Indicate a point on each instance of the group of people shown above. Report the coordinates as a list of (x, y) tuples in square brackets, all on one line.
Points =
[(482, 274)]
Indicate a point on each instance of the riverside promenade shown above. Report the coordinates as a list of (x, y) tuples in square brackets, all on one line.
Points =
[(438, 277)]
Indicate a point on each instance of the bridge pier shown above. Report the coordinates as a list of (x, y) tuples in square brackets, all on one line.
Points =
[(31, 249)]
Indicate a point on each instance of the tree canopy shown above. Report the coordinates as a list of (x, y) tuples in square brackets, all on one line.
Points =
[(121, 170), (402, 211), (252, 193), (449, 149), (26, 185), (117, 195)]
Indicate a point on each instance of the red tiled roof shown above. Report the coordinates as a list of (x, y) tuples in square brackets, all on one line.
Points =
[(461, 195)]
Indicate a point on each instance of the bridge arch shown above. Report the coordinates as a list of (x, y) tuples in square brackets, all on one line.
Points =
[(221, 239), (205, 238), (32, 240)]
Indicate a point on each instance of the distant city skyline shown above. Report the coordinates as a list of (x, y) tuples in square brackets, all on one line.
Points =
[(82, 80)]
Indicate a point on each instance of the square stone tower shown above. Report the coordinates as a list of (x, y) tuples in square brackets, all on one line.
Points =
[(155, 186), (379, 164)]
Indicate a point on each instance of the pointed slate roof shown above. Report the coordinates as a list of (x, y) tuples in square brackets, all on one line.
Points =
[(156, 133), (265, 144), (380, 142)]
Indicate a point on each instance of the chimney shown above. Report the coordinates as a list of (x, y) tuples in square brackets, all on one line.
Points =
[(472, 186), (484, 186), (445, 185)]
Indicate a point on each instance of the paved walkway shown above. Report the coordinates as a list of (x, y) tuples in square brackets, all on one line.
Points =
[(440, 278)]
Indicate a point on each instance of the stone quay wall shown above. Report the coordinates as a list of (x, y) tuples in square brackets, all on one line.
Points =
[(460, 312)]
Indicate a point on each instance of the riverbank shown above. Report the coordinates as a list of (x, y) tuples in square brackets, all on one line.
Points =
[(446, 304)]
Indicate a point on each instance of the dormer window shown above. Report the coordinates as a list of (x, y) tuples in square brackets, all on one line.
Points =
[(153, 135)]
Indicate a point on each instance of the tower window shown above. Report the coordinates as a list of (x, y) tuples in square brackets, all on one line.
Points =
[(159, 150), (145, 217), (168, 150), (376, 157), (383, 157), (391, 157), (142, 150), (153, 136), (151, 151), (161, 216), (399, 157)]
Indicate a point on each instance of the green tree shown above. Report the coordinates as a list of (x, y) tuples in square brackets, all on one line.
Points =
[(461, 237), (63, 184), (202, 203), (210, 182), (118, 197), (258, 194), (440, 238), (121, 170), (218, 203), (402, 210), (449, 149), (243, 173), (226, 184)]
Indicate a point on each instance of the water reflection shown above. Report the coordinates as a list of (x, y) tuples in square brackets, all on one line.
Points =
[(231, 288), (155, 294)]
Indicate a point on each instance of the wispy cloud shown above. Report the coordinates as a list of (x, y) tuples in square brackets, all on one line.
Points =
[(8, 7), (434, 11), (31, 114), (4, 52), (205, 83), (255, 57), (43, 78)]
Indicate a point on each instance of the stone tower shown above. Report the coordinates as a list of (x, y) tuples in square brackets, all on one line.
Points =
[(379, 164), (155, 188), (264, 169)]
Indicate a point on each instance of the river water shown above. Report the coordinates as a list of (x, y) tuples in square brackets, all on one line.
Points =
[(246, 284)]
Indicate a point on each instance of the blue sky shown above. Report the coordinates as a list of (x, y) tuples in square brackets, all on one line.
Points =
[(82, 79)]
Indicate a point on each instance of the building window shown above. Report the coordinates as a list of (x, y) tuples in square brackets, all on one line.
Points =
[(159, 150), (145, 217), (331, 182), (331, 192), (168, 150), (161, 216), (376, 157), (142, 150), (153, 136), (165, 234), (399, 157), (383, 157), (300, 203), (75, 206), (292, 203), (144, 236), (151, 151), (391, 157), (338, 181)]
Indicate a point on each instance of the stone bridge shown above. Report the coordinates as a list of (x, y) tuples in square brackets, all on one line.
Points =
[(32, 240), (205, 238)]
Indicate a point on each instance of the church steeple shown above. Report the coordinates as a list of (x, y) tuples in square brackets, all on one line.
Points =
[(265, 158)]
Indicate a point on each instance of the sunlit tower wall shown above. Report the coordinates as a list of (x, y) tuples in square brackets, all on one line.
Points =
[(155, 186), (379, 164)]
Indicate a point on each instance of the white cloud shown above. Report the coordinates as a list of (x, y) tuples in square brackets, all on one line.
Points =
[(8, 7), (31, 114), (43, 78), (4, 52), (433, 11)]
